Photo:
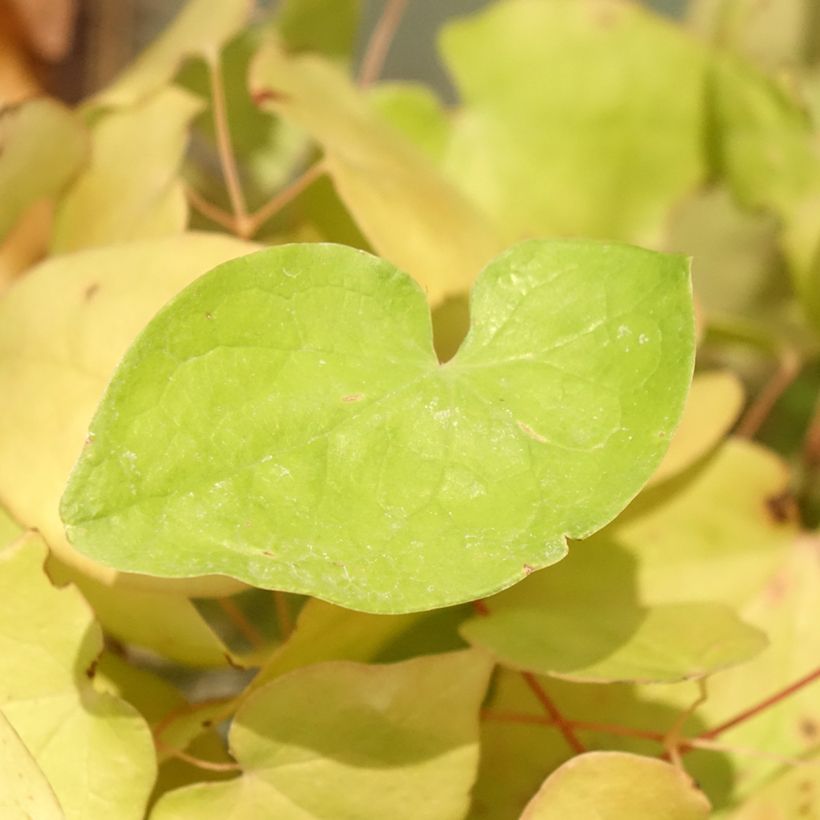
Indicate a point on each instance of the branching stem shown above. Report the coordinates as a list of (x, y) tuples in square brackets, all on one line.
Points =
[(380, 40)]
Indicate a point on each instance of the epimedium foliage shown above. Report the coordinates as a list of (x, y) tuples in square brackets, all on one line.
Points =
[(368, 476)]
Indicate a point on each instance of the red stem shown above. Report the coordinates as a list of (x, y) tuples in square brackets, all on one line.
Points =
[(551, 709)]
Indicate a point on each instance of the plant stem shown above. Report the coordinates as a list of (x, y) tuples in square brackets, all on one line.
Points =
[(211, 211), (672, 740), (743, 716), (225, 149), (190, 708), (237, 617), (283, 616), (284, 197), (208, 765), (552, 710), (380, 40)]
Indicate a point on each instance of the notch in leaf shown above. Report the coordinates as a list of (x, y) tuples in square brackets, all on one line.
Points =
[(284, 420)]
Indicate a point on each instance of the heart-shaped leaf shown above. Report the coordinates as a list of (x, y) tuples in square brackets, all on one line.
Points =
[(350, 740), (285, 421)]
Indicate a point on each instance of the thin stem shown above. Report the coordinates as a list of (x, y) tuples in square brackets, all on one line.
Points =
[(582, 725), (208, 765), (225, 148), (552, 710), (788, 368), (743, 716), (283, 197), (380, 40), (211, 211), (283, 615), (672, 740), (238, 618)]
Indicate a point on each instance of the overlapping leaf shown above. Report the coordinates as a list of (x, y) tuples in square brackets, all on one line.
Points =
[(583, 621), (95, 750), (131, 189), (347, 740), (381, 176), (617, 786), (328, 452), (554, 134)]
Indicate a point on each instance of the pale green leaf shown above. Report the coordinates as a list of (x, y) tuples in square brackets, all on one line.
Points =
[(63, 328), (348, 741), (714, 403), (583, 621), (793, 794), (383, 179), (30, 167), (417, 112), (199, 30), (717, 532), (25, 794), (617, 786), (130, 189), (579, 117), (328, 452), (95, 750)]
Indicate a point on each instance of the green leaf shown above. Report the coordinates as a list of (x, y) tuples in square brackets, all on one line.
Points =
[(714, 403), (617, 786), (326, 26), (582, 621), (347, 740), (199, 30), (683, 540), (24, 790), (329, 453), (30, 168), (131, 189), (552, 137), (443, 240), (63, 328), (95, 750)]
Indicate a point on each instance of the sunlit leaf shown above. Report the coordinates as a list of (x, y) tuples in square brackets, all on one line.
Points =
[(327, 451), (713, 405), (24, 790), (94, 749), (583, 621), (772, 33), (380, 175), (30, 167), (348, 740), (718, 531), (416, 111), (62, 331), (617, 786), (554, 134), (199, 30), (130, 190)]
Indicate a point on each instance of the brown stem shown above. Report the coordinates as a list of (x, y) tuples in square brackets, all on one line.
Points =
[(284, 197), (583, 725), (743, 716), (380, 40), (552, 710), (672, 740), (211, 211), (209, 765), (283, 616), (788, 368), (224, 146), (238, 618)]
